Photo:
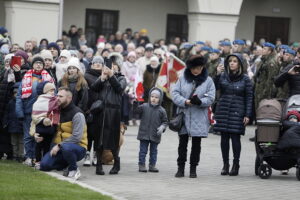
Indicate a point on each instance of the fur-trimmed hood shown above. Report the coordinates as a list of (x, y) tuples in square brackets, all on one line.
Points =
[(116, 58)]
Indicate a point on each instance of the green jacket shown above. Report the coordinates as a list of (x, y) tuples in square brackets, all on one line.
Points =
[(264, 87)]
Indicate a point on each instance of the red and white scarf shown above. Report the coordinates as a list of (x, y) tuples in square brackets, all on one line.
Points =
[(27, 82)]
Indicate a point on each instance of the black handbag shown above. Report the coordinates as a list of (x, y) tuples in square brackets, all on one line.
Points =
[(177, 123), (97, 107)]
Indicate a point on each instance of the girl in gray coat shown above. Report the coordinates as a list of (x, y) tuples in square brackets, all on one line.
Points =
[(193, 93), (153, 123)]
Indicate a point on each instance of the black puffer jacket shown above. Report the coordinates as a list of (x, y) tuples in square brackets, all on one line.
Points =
[(293, 81), (235, 101)]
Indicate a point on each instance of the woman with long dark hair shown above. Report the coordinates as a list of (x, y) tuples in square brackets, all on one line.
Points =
[(234, 109)]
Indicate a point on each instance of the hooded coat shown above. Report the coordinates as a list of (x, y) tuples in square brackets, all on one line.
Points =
[(152, 117), (111, 91), (235, 103), (196, 122)]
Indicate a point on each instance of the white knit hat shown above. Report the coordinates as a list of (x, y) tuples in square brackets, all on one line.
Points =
[(101, 45), (8, 56), (154, 58), (46, 54), (74, 62), (65, 53)]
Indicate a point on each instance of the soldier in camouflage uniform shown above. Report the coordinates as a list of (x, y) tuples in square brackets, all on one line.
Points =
[(267, 69), (286, 60), (214, 61), (225, 47)]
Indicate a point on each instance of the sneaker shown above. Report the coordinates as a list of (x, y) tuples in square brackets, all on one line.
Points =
[(75, 174), (37, 165), (28, 162), (94, 161), (87, 160)]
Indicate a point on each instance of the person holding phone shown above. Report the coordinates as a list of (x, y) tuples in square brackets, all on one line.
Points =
[(291, 75), (25, 66), (8, 77), (110, 85)]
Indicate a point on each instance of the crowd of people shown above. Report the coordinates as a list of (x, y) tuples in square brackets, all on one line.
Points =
[(64, 96)]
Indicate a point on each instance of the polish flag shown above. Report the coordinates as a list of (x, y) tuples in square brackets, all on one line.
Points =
[(171, 69), (138, 87)]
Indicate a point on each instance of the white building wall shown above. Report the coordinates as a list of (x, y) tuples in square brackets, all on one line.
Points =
[(136, 14), (2, 13), (213, 20), (251, 8), (27, 19)]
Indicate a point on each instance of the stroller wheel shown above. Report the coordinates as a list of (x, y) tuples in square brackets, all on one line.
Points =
[(298, 173), (264, 171)]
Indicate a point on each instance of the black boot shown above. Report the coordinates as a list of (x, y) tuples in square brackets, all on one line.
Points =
[(193, 173), (225, 170), (180, 172), (116, 168), (99, 169), (234, 170)]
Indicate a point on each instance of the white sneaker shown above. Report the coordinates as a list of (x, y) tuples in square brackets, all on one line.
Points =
[(94, 162), (37, 166), (28, 162), (75, 174), (87, 160)]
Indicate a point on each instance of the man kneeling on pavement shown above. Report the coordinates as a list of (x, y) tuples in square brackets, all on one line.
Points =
[(70, 141)]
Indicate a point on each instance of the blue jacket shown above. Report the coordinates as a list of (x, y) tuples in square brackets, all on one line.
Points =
[(24, 106), (196, 122)]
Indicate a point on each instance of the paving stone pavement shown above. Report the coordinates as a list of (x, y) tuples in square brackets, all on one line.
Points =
[(132, 185)]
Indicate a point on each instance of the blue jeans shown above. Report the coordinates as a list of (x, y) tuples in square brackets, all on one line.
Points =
[(29, 142), (144, 144), (67, 156)]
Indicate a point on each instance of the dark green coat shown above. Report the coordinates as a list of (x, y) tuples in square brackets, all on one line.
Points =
[(264, 88)]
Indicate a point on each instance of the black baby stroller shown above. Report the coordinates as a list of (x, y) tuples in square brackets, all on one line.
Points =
[(268, 156)]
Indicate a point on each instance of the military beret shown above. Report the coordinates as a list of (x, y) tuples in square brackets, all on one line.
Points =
[(200, 42), (206, 48), (225, 43), (268, 44), (239, 42), (187, 46), (284, 46), (215, 51), (290, 51)]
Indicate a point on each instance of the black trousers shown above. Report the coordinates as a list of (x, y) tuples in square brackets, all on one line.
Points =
[(43, 147), (182, 150), (236, 147)]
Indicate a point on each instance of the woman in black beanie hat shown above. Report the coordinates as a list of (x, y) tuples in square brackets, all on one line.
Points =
[(193, 93)]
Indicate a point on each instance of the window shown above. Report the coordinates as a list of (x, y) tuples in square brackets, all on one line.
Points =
[(100, 22), (272, 28), (177, 26)]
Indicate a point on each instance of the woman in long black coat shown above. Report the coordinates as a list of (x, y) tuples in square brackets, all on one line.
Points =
[(111, 85), (233, 109), (93, 118), (8, 77)]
